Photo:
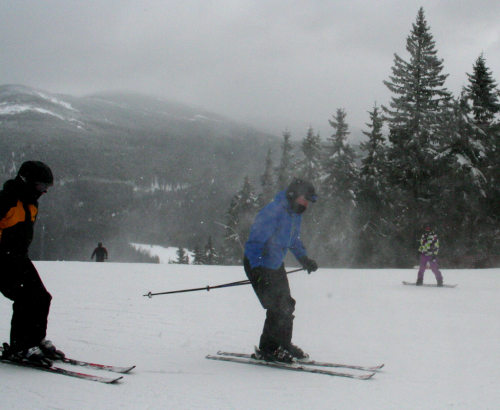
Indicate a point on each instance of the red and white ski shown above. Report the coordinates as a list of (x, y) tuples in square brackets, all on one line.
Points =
[(58, 370)]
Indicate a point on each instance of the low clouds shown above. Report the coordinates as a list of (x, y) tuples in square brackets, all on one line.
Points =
[(285, 64)]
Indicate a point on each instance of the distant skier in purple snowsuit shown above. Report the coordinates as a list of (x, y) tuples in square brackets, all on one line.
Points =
[(429, 248)]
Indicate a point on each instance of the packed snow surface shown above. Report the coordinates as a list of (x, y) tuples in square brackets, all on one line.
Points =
[(440, 346)]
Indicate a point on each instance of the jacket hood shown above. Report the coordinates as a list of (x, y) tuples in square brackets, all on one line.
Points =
[(281, 198), (19, 189), (10, 185)]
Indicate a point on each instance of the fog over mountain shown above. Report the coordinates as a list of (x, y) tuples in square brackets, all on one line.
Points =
[(128, 167)]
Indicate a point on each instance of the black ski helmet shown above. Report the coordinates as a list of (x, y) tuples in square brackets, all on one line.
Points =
[(36, 172), (299, 187)]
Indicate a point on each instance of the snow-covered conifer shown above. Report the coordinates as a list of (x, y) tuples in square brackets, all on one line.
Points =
[(483, 93), (310, 167), (341, 173), (284, 169), (182, 256), (267, 181), (241, 213)]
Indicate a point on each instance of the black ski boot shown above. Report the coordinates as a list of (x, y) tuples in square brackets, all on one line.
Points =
[(297, 352), (8, 353), (440, 283), (33, 355), (279, 355), (419, 282), (50, 351)]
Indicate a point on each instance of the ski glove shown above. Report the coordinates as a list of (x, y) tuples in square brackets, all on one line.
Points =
[(308, 264)]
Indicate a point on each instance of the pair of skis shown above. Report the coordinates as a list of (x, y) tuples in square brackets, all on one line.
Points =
[(65, 372), (306, 365)]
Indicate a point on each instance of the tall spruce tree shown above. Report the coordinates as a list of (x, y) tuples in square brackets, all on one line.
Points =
[(462, 183), (182, 256), (413, 118), (284, 169), (211, 256), (198, 256), (338, 198), (374, 197), (482, 91), (241, 213), (310, 167), (341, 173), (374, 162), (418, 85), (267, 181)]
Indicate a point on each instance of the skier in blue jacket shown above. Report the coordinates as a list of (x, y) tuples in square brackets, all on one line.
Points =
[(275, 230)]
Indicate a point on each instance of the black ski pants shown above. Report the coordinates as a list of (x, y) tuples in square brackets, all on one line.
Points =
[(274, 295), (20, 282)]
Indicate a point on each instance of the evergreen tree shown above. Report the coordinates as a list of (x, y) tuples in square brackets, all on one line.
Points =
[(374, 162), (267, 181), (241, 213), (335, 213), (413, 119), (310, 167), (418, 85), (198, 256), (374, 198), (182, 256), (483, 93), (284, 171), (340, 167), (211, 256), (461, 204)]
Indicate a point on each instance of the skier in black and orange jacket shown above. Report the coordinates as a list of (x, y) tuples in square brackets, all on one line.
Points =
[(19, 280)]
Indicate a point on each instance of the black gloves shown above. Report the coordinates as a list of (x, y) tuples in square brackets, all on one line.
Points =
[(308, 264)]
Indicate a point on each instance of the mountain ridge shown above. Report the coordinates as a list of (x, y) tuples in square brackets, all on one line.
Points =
[(127, 166)]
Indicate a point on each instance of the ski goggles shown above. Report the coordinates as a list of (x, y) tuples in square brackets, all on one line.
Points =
[(312, 198), (41, 187)]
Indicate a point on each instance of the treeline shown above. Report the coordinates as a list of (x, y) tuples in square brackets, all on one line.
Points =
[(429, 157)]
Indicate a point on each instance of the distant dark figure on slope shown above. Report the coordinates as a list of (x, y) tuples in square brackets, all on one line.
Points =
[(19, 280), (429, 248), (275, 230), (100, 253)]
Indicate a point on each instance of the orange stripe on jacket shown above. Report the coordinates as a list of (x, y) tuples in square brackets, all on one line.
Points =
[(15, 215)]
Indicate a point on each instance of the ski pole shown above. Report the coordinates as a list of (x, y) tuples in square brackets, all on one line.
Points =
[(207, 288)]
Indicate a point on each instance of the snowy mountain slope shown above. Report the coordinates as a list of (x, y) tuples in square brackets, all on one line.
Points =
[(126, 161), (439, 346), (123, 110)]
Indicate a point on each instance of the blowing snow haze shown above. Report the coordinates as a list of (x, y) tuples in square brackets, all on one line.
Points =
[(127, 166), (273, 64)]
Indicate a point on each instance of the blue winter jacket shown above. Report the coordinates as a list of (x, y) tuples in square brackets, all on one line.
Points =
[(275, 230)]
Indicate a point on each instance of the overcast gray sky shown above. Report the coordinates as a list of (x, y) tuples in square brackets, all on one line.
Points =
[(287, 63)]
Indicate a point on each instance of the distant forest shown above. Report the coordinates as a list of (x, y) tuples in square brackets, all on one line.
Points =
[(123, 176), (438, 163)]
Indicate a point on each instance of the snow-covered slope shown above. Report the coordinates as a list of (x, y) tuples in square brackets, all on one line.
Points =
[(439, 346)]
